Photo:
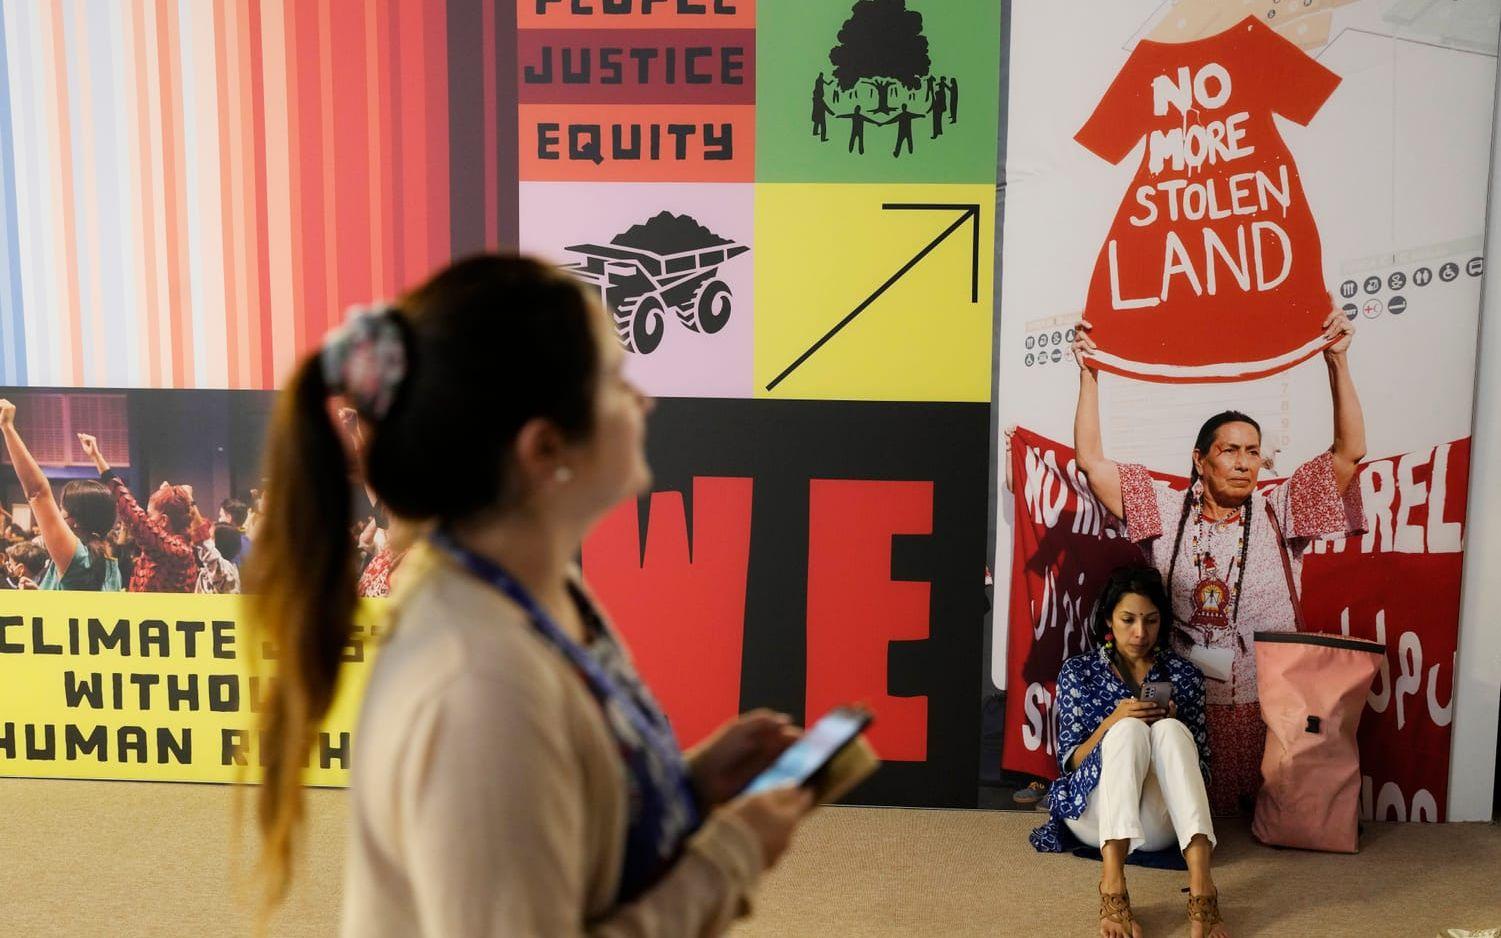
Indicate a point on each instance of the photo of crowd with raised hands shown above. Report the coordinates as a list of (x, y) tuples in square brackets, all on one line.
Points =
[(76, 514)]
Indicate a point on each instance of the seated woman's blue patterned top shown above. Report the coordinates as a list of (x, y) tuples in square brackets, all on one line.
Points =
[(1088, 691)]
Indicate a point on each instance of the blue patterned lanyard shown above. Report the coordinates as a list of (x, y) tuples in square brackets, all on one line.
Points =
[(665, 808)]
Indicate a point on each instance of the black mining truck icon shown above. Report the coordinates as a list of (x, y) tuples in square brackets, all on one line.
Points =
[(669, 262)]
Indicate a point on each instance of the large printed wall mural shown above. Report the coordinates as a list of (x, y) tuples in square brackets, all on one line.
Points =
[(1205, 181), (786, 206)]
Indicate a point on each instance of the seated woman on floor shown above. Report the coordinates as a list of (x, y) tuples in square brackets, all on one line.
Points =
[(1133, 773)]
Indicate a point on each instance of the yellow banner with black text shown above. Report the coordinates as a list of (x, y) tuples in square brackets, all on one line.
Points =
[(153, 687)]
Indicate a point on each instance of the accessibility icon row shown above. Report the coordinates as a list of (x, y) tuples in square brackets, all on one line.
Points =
[(1447, 272)]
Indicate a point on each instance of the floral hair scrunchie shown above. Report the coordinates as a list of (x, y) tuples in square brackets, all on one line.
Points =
[(365, 359)]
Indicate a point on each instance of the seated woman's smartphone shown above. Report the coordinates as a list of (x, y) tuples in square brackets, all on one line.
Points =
[(1158, 692)]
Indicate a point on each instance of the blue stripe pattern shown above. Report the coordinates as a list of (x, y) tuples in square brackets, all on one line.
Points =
[(12, 325)]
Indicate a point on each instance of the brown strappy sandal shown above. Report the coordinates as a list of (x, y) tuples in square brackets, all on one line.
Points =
[(1116, 907), (1205, 910)]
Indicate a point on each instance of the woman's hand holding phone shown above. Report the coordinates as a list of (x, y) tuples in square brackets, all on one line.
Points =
[(776, 764), (1147, 711), (722, 765), (772, 816)]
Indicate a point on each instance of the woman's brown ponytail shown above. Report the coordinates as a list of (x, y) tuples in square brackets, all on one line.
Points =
[(301, 585)]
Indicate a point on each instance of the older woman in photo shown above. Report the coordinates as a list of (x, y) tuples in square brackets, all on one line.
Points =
[(1219, 544)]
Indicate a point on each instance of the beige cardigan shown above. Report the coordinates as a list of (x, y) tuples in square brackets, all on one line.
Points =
[(488, 797)]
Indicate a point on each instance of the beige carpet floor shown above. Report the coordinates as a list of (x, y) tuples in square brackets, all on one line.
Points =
[(129, 859)]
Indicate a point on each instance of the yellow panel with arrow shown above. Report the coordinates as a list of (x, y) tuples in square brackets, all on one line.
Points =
[(874, 292)]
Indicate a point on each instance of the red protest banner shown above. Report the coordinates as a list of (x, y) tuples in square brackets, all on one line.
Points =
[(1065, 544), (1398, 583)]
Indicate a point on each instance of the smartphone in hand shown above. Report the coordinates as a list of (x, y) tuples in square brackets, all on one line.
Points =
[(805, 760), (1158, 692)]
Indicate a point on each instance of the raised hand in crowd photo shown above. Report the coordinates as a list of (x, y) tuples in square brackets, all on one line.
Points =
[(162, 531), (75, 533)]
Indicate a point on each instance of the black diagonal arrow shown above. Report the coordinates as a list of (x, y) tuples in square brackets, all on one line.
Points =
[(968, 212)]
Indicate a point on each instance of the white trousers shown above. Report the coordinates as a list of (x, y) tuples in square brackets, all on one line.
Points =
[(1150, 792)]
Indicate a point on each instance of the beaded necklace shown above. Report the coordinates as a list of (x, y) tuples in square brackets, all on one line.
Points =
[(1212, 597)]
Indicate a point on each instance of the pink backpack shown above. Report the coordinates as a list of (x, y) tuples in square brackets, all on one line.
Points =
[(1313, 692)]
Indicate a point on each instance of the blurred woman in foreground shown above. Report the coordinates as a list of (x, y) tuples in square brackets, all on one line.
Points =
[(512, 774)]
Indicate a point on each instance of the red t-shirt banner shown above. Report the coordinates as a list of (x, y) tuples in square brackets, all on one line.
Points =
[(1064, 544), (1397, 583), (1212, 270)]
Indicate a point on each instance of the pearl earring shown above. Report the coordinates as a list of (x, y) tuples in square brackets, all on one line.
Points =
[(563, 475)]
